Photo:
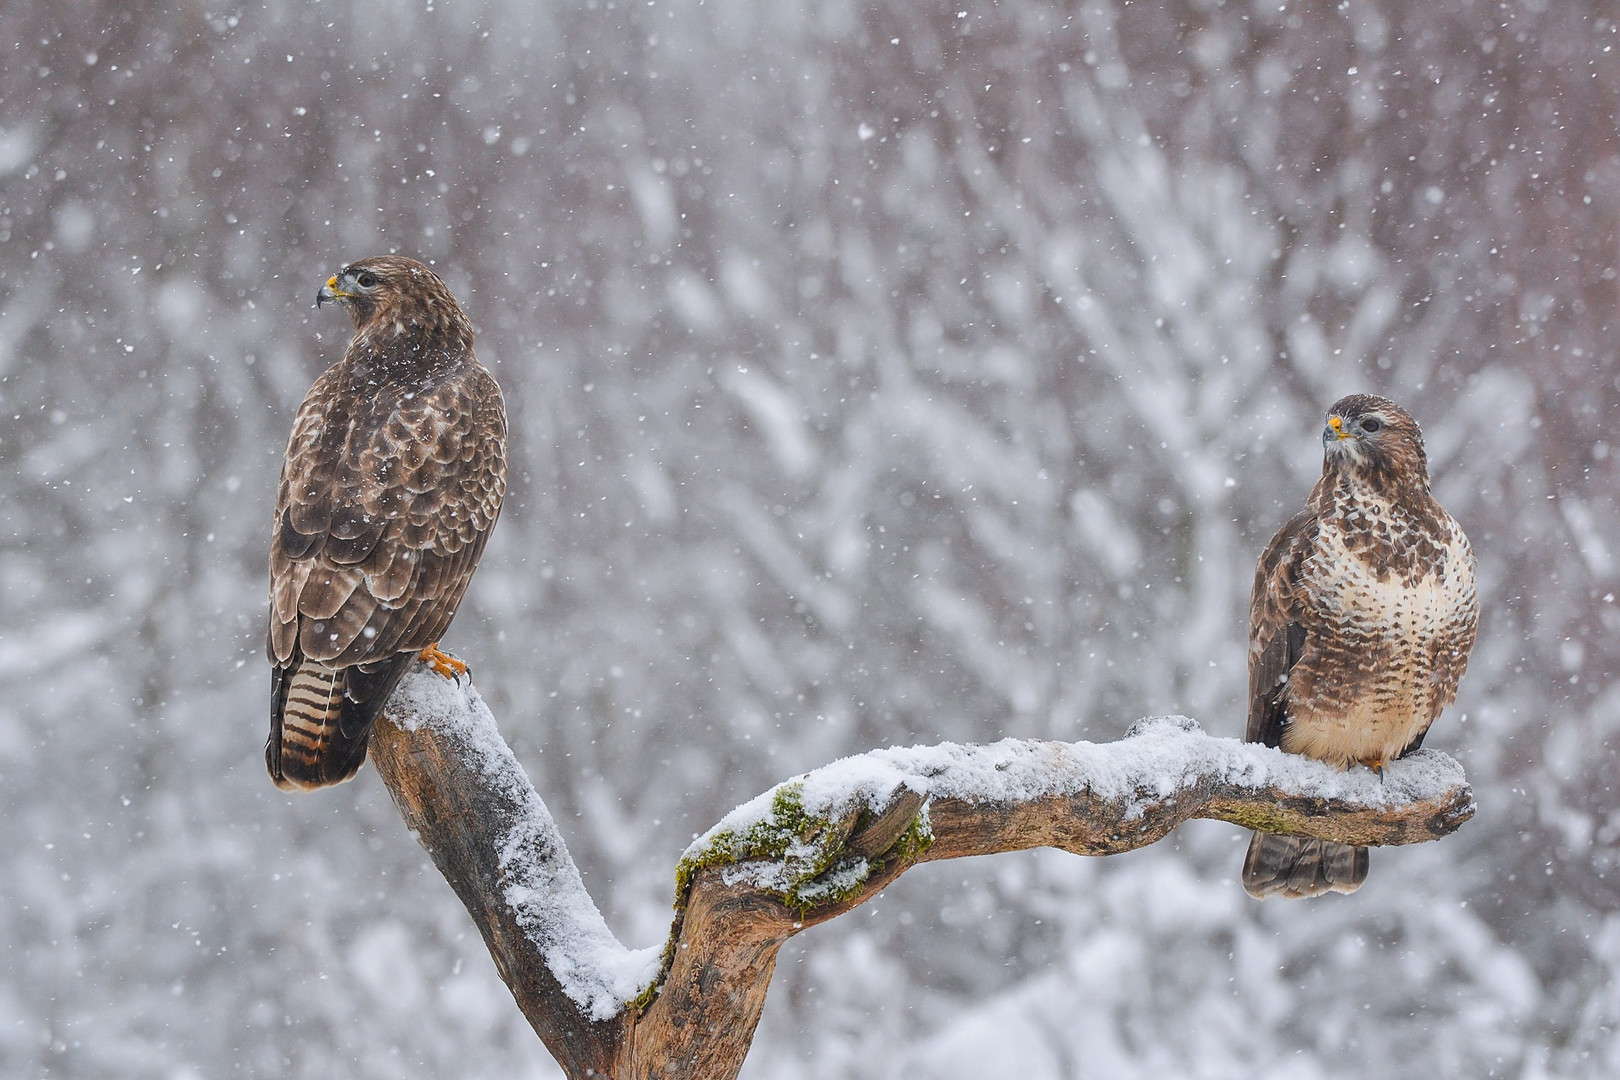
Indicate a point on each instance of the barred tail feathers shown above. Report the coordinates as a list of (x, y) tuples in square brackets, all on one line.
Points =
[(308, 747), (1298, 866)]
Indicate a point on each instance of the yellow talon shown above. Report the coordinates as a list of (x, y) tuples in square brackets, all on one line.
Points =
[(442, 662)]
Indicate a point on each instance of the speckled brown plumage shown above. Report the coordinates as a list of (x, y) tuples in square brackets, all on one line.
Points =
[(393, 479), (1362, 618)]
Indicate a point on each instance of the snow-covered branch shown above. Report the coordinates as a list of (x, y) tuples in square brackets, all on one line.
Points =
[(816, 846)]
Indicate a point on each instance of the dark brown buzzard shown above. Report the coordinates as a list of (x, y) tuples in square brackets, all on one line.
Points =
[(1363, 615), (393, 479)]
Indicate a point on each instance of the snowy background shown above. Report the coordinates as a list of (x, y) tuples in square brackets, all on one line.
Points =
[(881, 372)]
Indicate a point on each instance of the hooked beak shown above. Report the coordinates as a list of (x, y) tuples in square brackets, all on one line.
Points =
[(330, 293), (1335, 431)]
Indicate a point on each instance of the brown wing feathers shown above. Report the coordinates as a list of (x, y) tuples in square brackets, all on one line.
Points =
[(1276, 635), (394, 476)]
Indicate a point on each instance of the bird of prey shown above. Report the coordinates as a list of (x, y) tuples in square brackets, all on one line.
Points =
[(1363, 614), (392, 482)]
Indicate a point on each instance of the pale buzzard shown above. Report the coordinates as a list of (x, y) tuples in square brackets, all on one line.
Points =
[(1362, 618)]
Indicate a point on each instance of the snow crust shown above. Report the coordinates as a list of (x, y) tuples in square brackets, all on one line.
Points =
[(541, 883), (1158, 757)]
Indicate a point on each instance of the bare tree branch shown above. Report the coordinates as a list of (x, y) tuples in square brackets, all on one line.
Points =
[(816, 846)]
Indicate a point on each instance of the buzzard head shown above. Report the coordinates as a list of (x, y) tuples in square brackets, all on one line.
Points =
[(390, 295), (1375, 438)]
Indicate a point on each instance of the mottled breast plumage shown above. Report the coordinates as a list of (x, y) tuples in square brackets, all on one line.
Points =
[(1391, 602)]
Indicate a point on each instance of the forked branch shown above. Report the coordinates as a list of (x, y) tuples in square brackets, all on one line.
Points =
[(816, 846)]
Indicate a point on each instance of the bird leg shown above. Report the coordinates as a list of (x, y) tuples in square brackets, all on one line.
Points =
[(442, 662), (1377, 766)]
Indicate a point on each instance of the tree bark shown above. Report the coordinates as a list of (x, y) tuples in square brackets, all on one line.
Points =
[(817, 846)]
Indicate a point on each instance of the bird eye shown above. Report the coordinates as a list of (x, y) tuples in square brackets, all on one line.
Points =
[(366, 280), (1371, 425)]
